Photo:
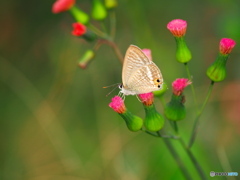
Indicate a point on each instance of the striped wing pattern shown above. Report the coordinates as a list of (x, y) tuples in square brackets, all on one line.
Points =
[(134, 59), (142, 80), (140, 75)]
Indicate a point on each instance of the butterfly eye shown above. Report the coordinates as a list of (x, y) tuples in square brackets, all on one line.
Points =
[(120, 86)]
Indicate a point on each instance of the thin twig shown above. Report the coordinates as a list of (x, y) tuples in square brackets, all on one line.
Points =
[(196, 121), (176, 157)]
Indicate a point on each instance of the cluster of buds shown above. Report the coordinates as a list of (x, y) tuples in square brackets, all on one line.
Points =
[(81, 28), (175, 109), (153, 121), (99, 10)]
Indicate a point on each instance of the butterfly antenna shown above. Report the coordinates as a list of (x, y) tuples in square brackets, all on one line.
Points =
[(112, 85), (116, 85)]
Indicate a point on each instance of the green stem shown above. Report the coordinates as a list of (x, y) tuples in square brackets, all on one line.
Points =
[(161, 136), (111, 44), (98, 32), (103, 27), (175, 126), (176, 157), (116, 50), (196, 121), (193, 159), (188, 151), (192, 86)]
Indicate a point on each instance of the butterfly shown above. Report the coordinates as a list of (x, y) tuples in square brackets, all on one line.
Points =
[(139, 74)]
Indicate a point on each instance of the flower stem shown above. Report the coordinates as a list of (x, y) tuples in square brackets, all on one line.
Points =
[(161, 136), (193, 159), (98, 32), (192, 86), (188, 151), (111, 44), (175, 126), (103, 27), (176, 157), (196, 121), (116, 50)]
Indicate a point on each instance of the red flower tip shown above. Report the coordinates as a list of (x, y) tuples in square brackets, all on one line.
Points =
[(179, 84), (147, 98), (62, 5), (226, 45), (148, 53), (117, 105), (78, 29), (177, 27)]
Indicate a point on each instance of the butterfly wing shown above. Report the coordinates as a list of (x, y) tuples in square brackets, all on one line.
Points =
[(145, 79), (134, 59)]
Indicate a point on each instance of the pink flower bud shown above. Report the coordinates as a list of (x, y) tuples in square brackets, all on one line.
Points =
[(148, 53), (226, 45), (147, 98), (118, 105), (179, 84), (78, 29), (62, 5), (177, 27)]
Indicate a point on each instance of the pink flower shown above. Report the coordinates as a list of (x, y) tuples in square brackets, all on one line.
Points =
[(226, 45), (78, 29), (179, 84), (177, 27), (118, 105), (147, 98), (148, 53), (62, 5)]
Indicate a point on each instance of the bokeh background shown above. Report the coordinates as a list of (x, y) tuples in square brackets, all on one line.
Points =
[(55, 122)]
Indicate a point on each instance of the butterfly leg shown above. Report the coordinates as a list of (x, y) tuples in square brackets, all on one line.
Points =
[(138, 98)]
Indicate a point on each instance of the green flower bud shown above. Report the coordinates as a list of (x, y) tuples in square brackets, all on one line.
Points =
[(183, 54), (153, 120), (98, 11), (162, 91), (134, 123), (217, 71), (86, 59), (110, 4), (79, 15), (175, 109)]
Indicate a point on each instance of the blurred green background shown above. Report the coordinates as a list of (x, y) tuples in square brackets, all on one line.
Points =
[(55, 122)]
